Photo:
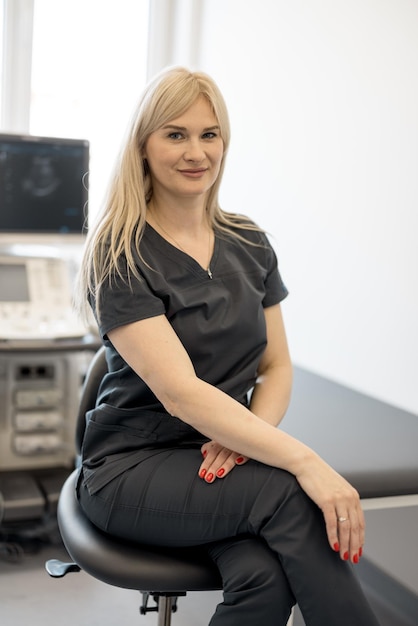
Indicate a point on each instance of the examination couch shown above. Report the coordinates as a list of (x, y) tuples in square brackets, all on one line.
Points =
[(374, 445)]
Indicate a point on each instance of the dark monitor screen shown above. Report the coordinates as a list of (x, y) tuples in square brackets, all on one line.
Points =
[(43, 187)]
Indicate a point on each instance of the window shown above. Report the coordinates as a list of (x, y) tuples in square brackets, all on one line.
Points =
[(89, 64)]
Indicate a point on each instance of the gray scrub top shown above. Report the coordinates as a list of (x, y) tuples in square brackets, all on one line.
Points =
[(219, 320)]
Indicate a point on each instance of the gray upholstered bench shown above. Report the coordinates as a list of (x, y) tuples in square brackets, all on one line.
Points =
[(372, 444)]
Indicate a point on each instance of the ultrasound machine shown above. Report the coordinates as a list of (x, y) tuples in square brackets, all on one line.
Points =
[(44, 348)]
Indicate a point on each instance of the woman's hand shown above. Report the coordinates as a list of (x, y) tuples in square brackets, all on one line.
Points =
[(218, 461), (340, 505)]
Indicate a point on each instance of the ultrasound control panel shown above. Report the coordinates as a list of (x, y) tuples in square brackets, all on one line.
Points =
[(36, 300)]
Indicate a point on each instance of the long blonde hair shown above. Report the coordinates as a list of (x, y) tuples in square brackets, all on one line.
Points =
[(122, 220)]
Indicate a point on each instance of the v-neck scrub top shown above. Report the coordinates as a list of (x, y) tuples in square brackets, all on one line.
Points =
[(219, 320)]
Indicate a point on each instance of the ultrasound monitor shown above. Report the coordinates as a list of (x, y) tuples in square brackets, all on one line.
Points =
[(43, 186)]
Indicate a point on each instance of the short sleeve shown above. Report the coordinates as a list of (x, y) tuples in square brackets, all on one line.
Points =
[(123, 301), (275, 289)]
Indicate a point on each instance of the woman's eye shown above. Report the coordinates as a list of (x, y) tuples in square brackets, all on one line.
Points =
[(176, 135)]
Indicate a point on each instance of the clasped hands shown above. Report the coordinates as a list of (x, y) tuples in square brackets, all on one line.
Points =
[(218, 461), (337, 499)]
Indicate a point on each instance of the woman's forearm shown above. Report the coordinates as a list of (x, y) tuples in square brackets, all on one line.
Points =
[(221, 418)]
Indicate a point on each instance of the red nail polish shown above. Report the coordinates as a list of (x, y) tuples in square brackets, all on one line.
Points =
[(346, 556), (202, 473), (209, 477), (204, 452), (220, 472), (239, 460), (337, 547), (360, 551), (355, 558)]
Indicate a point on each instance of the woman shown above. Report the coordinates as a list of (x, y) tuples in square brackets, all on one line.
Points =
[(182, 448)]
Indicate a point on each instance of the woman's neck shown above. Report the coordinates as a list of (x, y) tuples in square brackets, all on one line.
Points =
[(187, 228)]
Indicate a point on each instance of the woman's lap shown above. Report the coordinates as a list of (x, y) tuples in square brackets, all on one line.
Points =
[(163, 501)]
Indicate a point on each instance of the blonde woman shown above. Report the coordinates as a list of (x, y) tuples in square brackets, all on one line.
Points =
[(183, 447)]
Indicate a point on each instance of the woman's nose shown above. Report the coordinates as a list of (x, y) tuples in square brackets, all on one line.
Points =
[(194, 151)]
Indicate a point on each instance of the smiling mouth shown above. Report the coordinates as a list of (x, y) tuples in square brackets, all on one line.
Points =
[(196, 172)]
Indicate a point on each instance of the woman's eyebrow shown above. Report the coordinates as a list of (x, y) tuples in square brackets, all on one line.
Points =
[(183, 128), (174, 127)]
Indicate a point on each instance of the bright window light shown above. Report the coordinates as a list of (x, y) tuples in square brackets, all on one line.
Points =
[(88, 69)]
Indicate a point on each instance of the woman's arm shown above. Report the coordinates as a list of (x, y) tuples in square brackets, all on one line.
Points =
[(153, 350)]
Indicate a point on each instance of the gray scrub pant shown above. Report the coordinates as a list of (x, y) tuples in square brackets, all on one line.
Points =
[(266, 536)]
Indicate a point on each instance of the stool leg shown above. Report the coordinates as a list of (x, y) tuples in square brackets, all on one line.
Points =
[(164, 610)]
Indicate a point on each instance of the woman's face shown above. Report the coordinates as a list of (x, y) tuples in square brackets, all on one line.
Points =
[(185, 155)]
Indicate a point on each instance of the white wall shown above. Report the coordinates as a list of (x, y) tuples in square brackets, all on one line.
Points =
[(323, 97)]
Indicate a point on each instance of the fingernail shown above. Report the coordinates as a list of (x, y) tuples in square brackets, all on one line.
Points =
[(202, 473), (346, 556), (240, 459), (209, 477), (220, 472), (204, 452), (355, 558), (337, 547), (360, 551)]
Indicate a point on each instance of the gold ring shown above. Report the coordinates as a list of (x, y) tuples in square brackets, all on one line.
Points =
[(343, 519)]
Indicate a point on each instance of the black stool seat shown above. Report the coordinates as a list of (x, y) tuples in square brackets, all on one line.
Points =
[(127, 565)]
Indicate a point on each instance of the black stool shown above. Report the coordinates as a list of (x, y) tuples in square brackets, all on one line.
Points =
[(161, 573)]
